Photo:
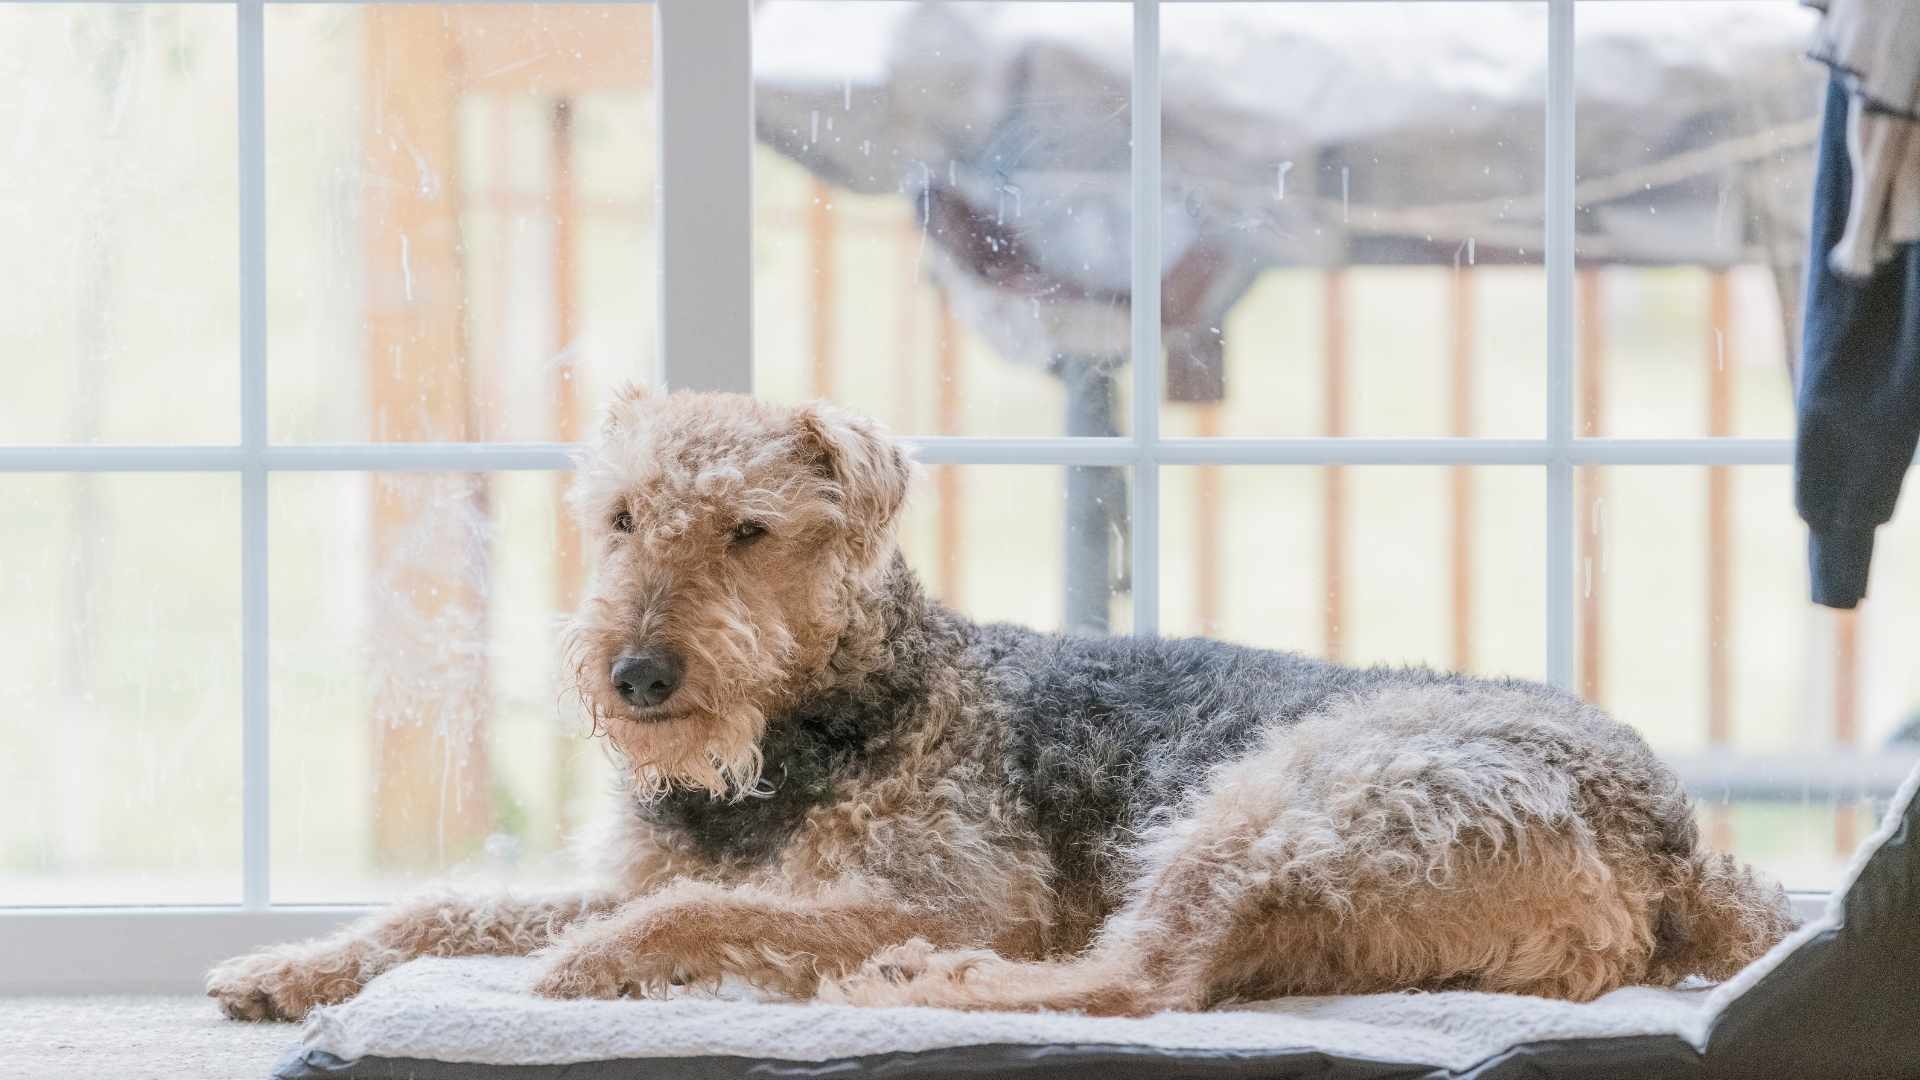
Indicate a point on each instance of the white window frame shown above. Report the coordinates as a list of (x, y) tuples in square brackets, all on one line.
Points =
[(704, 83)]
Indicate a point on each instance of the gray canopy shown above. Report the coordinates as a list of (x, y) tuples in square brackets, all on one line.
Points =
[(1293, 135)]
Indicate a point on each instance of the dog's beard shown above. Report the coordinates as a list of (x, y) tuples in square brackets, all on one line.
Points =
[(707, 736), (716, 750), (706, 743)]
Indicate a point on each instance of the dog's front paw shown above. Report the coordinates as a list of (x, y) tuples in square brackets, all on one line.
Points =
[(601, 969), (283, 983)]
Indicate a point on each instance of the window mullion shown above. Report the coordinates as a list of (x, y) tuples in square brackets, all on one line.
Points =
[(703, 59), (1144, 528), (255, 798), (1560, 331)]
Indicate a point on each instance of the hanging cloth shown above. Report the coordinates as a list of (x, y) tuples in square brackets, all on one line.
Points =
[(1858, 396)]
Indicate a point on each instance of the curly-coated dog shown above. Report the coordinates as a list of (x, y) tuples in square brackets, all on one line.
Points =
[(837, 787)]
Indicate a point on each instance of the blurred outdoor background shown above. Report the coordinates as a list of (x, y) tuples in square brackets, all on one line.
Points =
[(460, 237)]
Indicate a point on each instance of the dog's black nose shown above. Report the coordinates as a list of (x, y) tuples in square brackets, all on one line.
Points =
[(647, 677)]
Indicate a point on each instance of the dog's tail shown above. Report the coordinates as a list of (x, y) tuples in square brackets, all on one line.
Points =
[(1719, 916)]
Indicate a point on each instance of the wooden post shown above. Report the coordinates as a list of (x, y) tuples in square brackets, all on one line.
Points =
[(564, 200), (906, 324), (1719, 542), (498, 208), (1461, 475), (1334, 511), (1719, 514), (1593, 485), (1846, 717), (822, 256), (1206, 526), (569, 563), (431, 797), (948, 481)]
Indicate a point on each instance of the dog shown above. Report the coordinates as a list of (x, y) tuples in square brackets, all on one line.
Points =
[(836, 788)]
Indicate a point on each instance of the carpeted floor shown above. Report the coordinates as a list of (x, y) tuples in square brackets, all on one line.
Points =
[(110, 1037)]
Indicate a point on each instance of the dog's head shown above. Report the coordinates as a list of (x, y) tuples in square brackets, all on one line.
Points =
[(732, 545)]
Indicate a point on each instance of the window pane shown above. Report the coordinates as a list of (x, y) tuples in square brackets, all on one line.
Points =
[(120, 713), (1354, 208), (1042, 546), (119, 224), (1363, 564), (460, 218), (419, 722), (941, 215), (1694, 181), (1691, 595)]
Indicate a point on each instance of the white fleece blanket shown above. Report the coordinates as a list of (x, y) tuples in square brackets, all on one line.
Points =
[(480, 1011)]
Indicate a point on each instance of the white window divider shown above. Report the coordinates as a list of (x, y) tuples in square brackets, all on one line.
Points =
[(705, 70), (1144, 524), (256, 802), (1560, 331)]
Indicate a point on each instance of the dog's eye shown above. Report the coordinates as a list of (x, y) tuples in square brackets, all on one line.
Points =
[(746, 533), (623, 522)]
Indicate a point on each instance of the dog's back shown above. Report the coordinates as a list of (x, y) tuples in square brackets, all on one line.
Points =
[(1104, 736)]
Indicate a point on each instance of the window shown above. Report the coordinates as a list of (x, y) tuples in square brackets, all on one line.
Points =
[(1474, 324)]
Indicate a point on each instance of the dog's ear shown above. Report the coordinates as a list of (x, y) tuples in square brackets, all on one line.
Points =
[(868, 467), (620, 409)]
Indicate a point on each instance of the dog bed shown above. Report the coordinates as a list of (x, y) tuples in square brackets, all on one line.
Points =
[(1840, 997)]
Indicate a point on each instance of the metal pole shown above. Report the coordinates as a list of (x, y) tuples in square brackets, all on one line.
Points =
[(1093, 499)]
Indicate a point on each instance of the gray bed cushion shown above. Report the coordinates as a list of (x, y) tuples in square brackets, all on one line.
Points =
[(1841, 997)]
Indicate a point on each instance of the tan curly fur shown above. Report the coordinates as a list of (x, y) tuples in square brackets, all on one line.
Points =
[(855, 793)]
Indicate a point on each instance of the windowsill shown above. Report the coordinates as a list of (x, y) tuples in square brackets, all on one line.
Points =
[(167, 950)]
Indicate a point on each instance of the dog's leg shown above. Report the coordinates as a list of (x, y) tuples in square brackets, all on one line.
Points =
[(1158, 953), (694, 933), (284, 982)]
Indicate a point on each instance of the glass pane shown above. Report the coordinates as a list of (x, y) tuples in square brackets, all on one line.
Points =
[(1694, 626), (1694, 181), (460, 218), (119, 224), (1037, 545), (119, 689), (1362, 564), (1353, 218), (941, 216), (420, 729)]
